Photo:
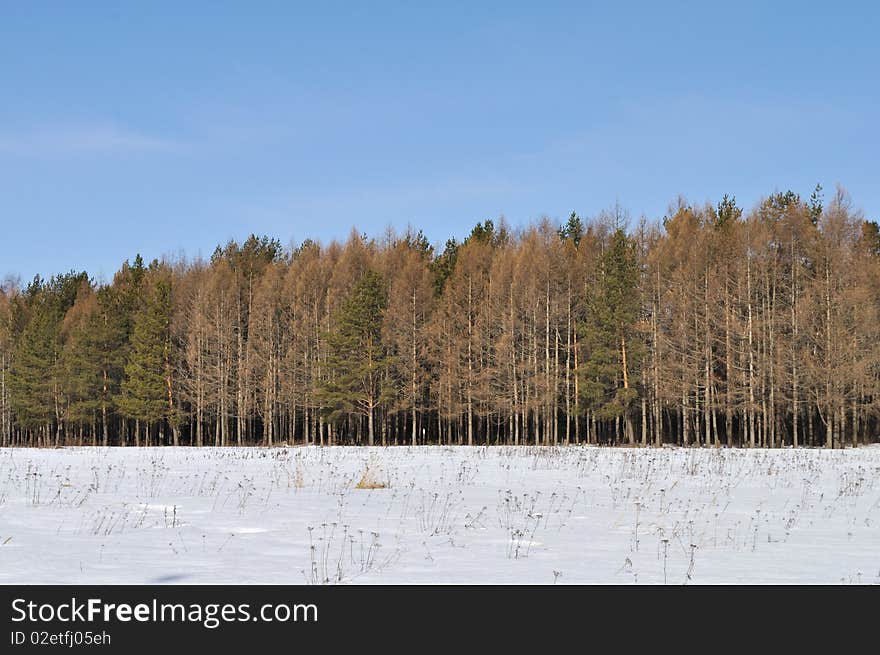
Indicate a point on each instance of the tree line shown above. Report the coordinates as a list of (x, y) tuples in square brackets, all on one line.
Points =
[(709, 327)]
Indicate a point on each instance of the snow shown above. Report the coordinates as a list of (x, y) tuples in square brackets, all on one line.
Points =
[(447, 515)]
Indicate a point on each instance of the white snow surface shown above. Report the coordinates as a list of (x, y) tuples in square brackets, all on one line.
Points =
[(446, 515)]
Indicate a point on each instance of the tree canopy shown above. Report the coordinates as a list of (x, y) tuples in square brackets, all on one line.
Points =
[(714, 325)]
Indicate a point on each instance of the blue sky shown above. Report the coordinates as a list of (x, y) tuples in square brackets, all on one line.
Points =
[(169, 127)]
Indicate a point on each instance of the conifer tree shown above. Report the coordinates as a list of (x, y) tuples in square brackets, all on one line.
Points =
[(31, 381), (573, 230), (6, 295), (146, 389), (611, 351), (357, 357), (80, 368), (36, 383)]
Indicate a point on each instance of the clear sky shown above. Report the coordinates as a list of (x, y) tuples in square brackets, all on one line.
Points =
[(170, 127)]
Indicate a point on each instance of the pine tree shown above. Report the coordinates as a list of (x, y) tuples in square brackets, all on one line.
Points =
[(80, 367), (357, 357), (146, 389), (608, 333), (32, 376), (108, 343), (444, 264), (6, 295), (36, 384), (573, 230)]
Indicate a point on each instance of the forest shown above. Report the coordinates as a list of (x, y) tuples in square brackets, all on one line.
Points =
[(711, 327)]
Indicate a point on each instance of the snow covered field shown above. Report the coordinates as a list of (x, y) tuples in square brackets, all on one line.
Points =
[(447, 515)]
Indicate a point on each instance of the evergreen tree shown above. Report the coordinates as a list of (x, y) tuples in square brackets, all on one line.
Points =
[(119, 305), (36, 385), (107, 343), (727, 213), (444, 264), (357, 358), (816, 200), (80, 369), (573, 230), (612, 352), (31, 382), (146, 388)]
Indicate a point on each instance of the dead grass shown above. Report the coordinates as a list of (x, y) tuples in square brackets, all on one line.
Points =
[(371, 480)]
